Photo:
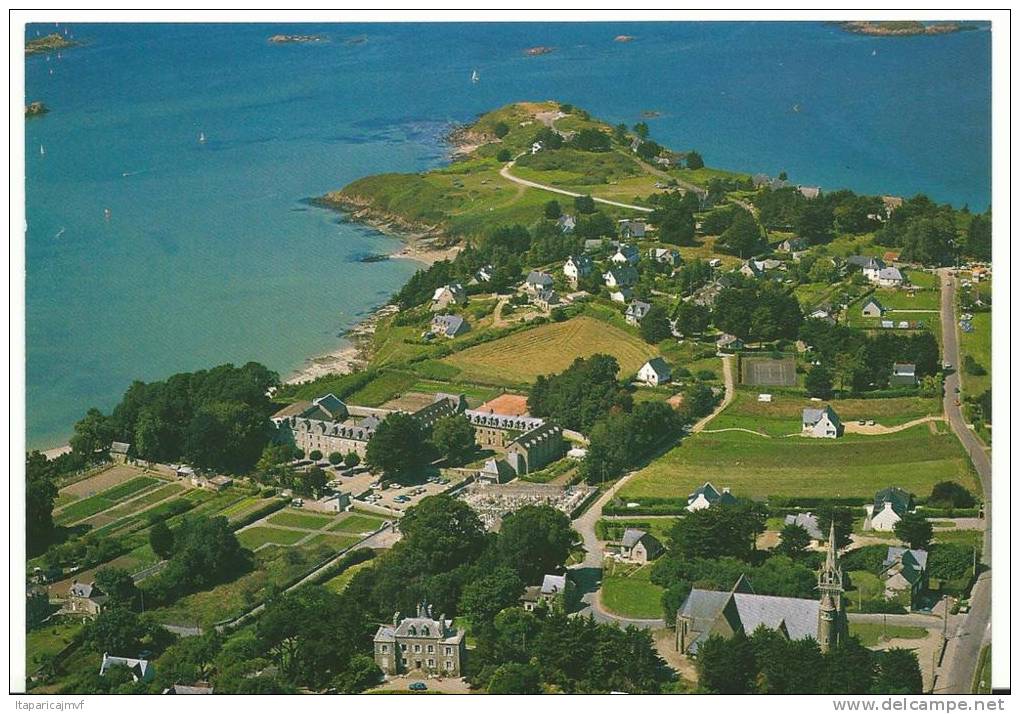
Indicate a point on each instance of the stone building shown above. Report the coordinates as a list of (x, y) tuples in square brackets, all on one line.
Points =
[(536, 448), (421, 643), (84, 599), (495, 430)]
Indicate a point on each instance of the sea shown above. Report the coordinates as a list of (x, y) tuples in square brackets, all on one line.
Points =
[(149, 252)]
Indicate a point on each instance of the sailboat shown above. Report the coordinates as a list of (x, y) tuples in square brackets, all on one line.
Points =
[(201, 137), (474, 76), (42, 150), (874, 52)]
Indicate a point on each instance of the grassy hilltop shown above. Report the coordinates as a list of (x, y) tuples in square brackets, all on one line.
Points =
[(470, 197)]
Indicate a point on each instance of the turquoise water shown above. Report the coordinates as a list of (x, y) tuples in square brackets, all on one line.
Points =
[(209, 254)]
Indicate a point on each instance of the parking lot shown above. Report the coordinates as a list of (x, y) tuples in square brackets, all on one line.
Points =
[(395, 498)]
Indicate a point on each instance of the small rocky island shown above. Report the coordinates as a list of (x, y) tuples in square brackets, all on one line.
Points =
[(623, 38), (539, 50), (296, 39), (902, 28), (35, 109), (50, 43)]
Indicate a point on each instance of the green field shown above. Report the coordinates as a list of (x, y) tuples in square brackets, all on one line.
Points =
[(387, 385), (335, 541), (308, 521), (782, 416), (357, 523), (145, 501), (977, 344), (872, 634), (521, 357), (852, 466), (339, 583), (260, 535), (92, 505), (630, 593)]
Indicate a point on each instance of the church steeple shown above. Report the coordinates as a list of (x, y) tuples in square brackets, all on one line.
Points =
[(832, 625)]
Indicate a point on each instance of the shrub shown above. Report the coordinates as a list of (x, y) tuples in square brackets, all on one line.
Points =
[(335, 457), (315, 455), (705, 375), (503, 155)]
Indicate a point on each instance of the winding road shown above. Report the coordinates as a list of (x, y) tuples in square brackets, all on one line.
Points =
[(505, 173)]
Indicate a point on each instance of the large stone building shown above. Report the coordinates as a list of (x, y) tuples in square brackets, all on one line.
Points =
[(710, 612), (421, 643), (496, 431), (329, 425), (534, 449)]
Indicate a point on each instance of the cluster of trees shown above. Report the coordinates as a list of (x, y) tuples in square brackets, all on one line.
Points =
[(402, 448), (40, 492), (674, 216), (743, 237), (215, 418), (769, 663), (622, 439), (934, 234), (580, 395), (758, 311), (853, 361)]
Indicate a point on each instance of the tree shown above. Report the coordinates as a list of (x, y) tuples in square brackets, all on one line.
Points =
[(620, 133), (119, 587), (315, 455), (514, 678), (581, 394), (814, 222), (694, 160), (674, 217), (588, 139), (978, 243), (161, 540), (500, 129), (504, 155), (535, 540), (722, 530), (744, 236), (454, 439), (92, 435), (351, 459), (654, 326), (336, 458), (584, 204), (486, 596), (818, 382), (641, 129), (726, 666), (399, 448), (648, 150), (442, 532), (360, 674), (552, 210), (691, 318), (950, 494), (899, 672), (793, 540), (844, 519), (116, 630), (914, 529), (314, 481), (40, 492)]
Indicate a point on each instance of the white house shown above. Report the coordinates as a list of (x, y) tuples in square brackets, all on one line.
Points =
[(537, 281), (810, 192), (665, 256), (890, 505), (141, 670), (823, 315), (626, 254), (451, 294), (889, 278), (904, 374), (567, 223), (729, 342), (578, 267), (821, 423), (622, 295), (752, 269), (636, 312), (632, 228), (654, 372), (622, 276), (707, 496)]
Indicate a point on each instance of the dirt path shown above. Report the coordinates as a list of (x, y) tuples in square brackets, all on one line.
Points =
[(728, 382), (505, 173), (855, 428)]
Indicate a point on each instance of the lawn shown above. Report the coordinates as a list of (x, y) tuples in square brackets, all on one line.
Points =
[(308, 521), (334, 541), (872, 634), (977, 344), (852, 466), (47, 640), (521, 357), (260, 535), (138, 504), (383, 388), (782, 415), (630, 593), (92, 505), (357, 523), (612, 528), (339, 583)]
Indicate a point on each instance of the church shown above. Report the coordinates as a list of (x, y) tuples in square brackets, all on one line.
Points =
[(711, 612)]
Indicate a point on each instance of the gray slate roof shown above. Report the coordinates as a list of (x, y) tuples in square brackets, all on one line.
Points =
[(807, 521), (900, 500)]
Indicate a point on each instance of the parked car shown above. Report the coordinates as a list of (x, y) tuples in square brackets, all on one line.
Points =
[(418, 686)]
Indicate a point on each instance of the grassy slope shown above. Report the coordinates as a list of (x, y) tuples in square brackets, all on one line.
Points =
[(521, 357)]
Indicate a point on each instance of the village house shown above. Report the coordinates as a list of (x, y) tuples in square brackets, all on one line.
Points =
[(729, 342), (752, 269), (546, 299), (891, 203), (119, 452), (638, 546), (421, 643), (765, 181), (905, 570), (810, 192), (890, 505), (791, 245), (665, 256), (537, 281), (449, 326), (620, 277), (484, 274), (807, 521), (821, 423), (578, 267), (707, 496), (632, 228), (904, 374), (709, 612), (823, 315), (654, 372), (141, 670), (451, 294), (554, 593), (84, 599), (496, 471), (626, 255), (567, 223), (535, 448), (623, 295), (872, 308), (888, 278), (636, 312)]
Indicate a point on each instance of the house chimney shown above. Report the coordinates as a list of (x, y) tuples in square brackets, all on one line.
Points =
[(726, 489)]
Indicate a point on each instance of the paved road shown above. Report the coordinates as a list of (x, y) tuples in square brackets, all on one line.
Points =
[(967, 639), (505, 173), (588, 575)]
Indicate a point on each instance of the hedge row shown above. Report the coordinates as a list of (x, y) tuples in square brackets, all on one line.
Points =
[(353, 558), (262, 512)]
